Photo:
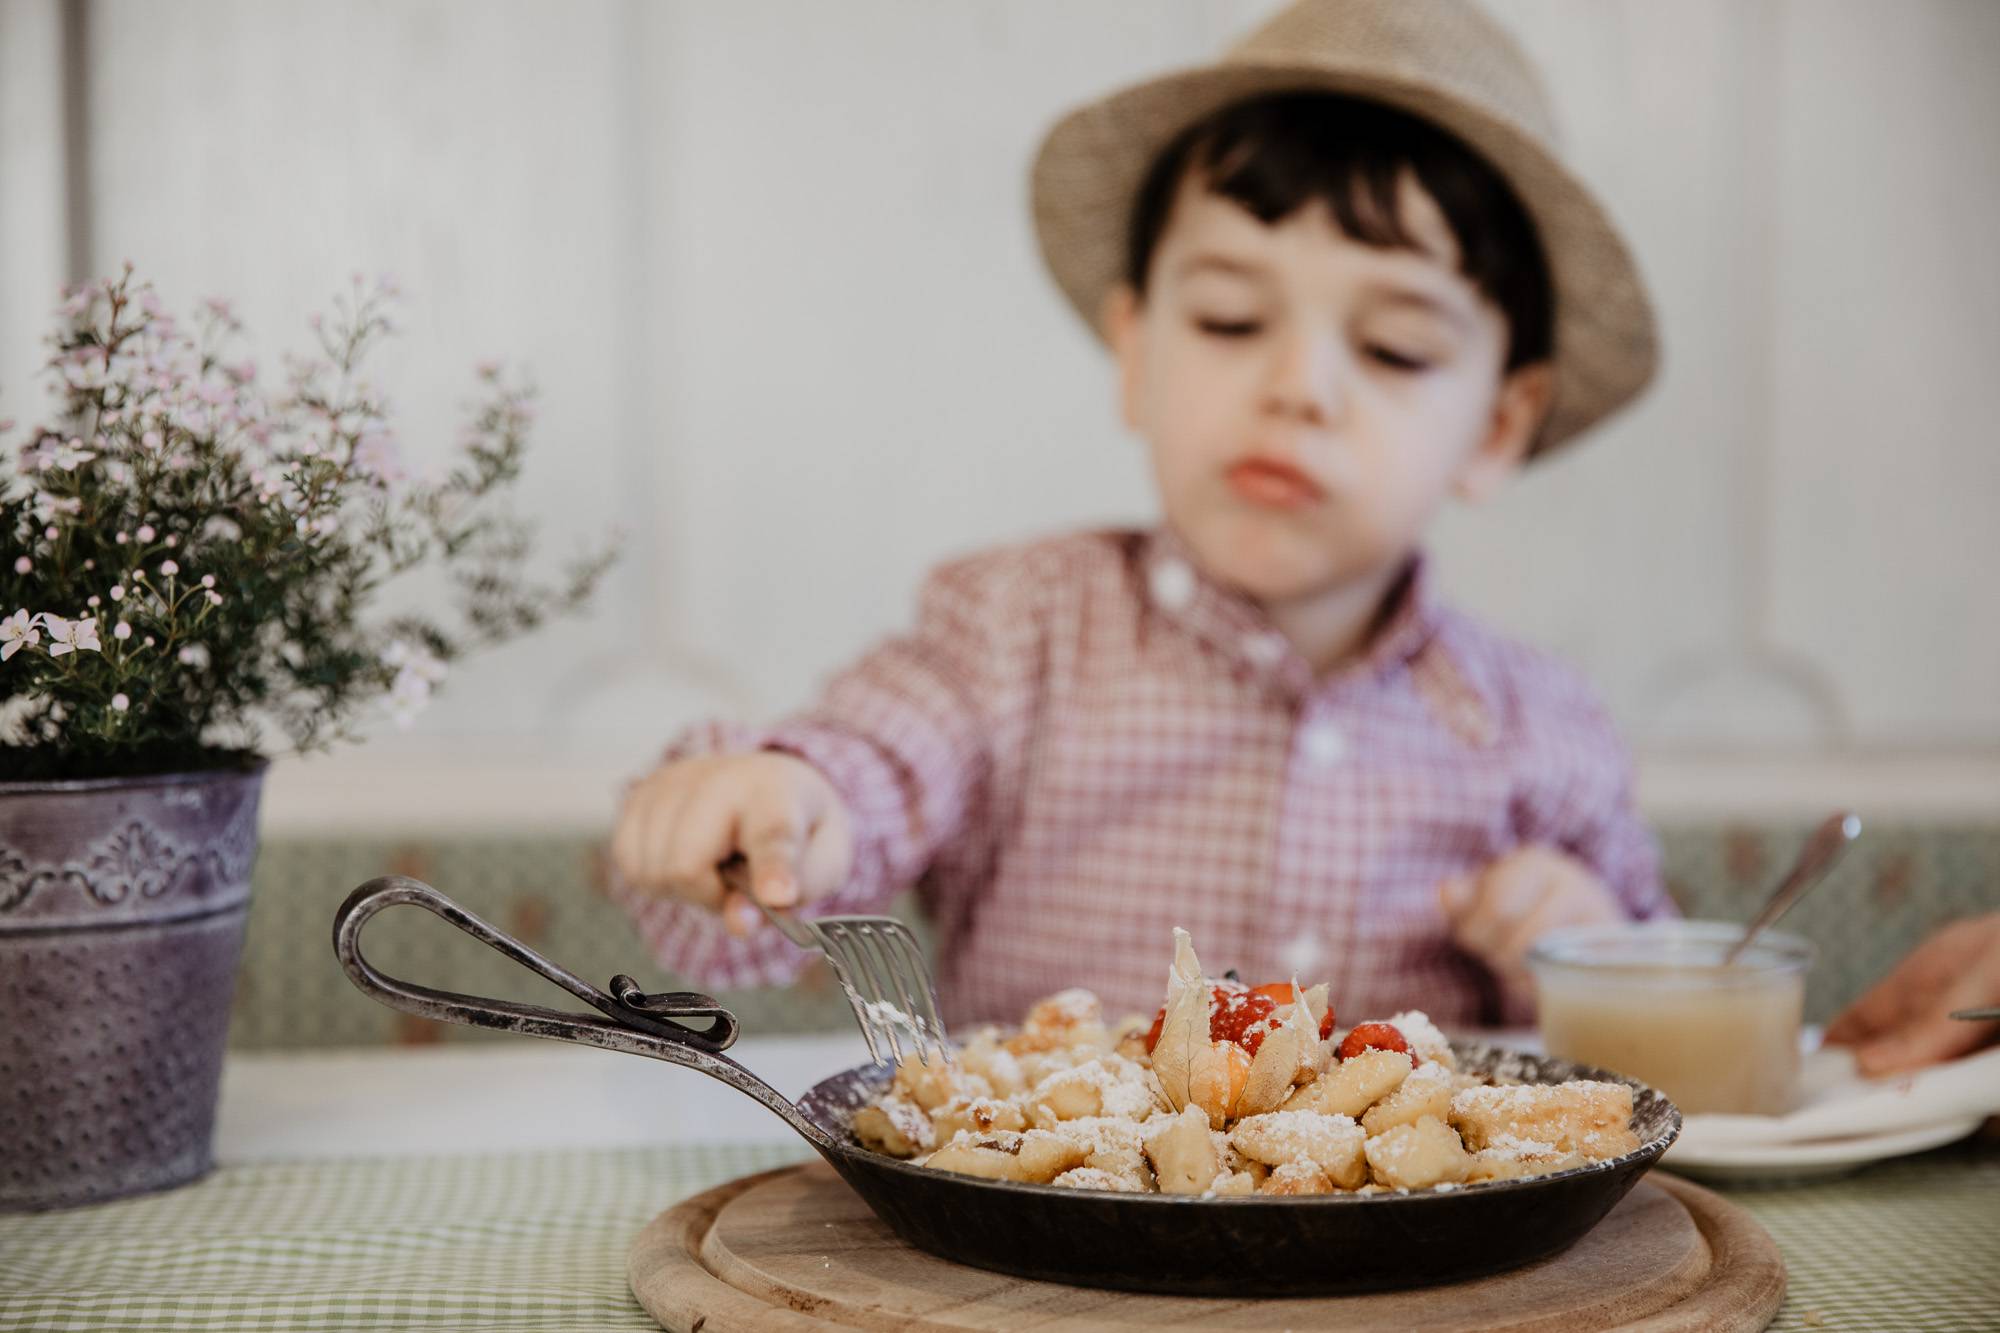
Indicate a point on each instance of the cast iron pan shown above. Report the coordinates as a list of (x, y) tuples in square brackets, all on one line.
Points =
[(1250, 1246)]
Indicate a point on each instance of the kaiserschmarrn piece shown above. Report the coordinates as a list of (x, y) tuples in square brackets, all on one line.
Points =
[(1232, 1091)]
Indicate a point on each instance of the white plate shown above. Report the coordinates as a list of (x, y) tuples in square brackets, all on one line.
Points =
[(1793, 1161)]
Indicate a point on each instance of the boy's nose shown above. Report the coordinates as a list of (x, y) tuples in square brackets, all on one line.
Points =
[(1305, 380)]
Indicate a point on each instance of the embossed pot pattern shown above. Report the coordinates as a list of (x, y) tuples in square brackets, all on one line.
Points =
[(122, 905)]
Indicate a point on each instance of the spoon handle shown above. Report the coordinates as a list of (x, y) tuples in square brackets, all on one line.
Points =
[(1822, 849)]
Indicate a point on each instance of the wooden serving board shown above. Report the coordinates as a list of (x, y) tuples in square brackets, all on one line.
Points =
[(796, 1248)]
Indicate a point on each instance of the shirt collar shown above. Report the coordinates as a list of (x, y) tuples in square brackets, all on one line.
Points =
[(1231, 622)]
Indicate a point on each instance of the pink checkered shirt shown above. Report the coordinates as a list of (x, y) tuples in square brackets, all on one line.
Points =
[(1085, 743)]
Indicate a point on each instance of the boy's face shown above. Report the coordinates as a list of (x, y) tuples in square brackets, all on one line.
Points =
[(1310, 400)]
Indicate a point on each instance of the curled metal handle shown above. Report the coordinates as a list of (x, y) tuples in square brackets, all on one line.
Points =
[(631, 1020)]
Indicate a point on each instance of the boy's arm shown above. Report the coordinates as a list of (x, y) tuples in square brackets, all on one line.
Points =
[(1582, 853), (1587, 809), (907, 737)]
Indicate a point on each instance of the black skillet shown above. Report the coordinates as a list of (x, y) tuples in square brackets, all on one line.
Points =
[(1252, 1246)]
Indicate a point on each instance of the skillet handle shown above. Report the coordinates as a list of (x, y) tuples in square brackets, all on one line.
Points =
[(631, 1021)]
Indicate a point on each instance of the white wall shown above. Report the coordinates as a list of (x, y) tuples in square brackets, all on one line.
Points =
[(770, 263)]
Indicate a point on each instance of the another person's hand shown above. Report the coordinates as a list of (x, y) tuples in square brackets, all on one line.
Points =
[(1905, 1021), (683, 821), (1497, 913)]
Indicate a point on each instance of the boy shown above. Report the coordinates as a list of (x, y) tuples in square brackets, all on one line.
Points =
[(1343, 277)]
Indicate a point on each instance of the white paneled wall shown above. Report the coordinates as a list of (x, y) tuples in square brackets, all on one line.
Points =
[(770, 263)]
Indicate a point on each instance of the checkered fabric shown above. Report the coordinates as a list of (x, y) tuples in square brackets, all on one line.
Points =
[(537, 1241), (1085, 743)]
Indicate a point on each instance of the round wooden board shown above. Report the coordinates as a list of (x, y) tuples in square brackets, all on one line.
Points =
[(796, 1248)]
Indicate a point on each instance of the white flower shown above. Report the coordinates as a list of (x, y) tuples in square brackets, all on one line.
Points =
[(168, 569), (47, 507), (50, 532), (17, 632), (117, 592), (417, 671), (215, 599), (119, 703), (70, 456), (23, 565), (208, 580), (193, 655), (121, 631), (94, 602), (71, 636), (122, 538), (146, 532)]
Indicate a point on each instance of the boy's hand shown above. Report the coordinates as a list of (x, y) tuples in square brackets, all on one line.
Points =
[(1905, 1021), (680, 824), (1496, 914)]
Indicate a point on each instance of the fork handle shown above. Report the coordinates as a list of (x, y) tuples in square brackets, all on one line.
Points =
[(735, 872)]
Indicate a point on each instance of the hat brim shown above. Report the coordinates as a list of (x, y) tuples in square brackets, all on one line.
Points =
[(1092, 162)]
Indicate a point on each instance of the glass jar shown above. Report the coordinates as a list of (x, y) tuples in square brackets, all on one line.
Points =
[(1652, 999)]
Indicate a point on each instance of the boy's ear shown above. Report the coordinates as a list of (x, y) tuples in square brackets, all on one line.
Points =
[(1518, 412), (1121, 331)]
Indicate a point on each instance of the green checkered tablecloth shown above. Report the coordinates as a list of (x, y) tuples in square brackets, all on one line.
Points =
[(524, 1241)]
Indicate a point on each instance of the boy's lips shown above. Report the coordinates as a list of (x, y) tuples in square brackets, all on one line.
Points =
[(1274, 484)]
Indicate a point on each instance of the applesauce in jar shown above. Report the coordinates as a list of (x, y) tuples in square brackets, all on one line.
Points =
[(1653, 1000)]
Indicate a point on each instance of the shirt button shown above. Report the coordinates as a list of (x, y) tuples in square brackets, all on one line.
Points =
[(1172, 583), (1266, 650), (1323, 744)]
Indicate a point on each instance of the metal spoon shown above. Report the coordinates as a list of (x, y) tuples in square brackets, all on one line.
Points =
[(1822, 849)]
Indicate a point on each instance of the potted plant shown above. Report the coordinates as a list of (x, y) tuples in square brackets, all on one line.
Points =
[(192, 570)]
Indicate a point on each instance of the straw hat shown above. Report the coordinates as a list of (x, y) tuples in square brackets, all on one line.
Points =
[(1442, 60)]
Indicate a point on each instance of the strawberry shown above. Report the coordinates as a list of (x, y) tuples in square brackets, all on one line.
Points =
[(1232, 1008), (1372, 1036), (1281, 993)]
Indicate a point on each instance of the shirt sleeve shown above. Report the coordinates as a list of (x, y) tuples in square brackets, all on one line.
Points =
[(908, 737), (1580, 800)]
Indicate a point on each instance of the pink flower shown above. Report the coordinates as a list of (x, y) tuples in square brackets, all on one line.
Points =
[(17, 632), (70, 636)]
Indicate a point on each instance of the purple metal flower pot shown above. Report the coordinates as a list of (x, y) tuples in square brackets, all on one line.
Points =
[(122, 903)]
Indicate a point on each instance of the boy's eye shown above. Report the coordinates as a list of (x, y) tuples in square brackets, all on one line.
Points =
[(1228, 328), (1395, 360)]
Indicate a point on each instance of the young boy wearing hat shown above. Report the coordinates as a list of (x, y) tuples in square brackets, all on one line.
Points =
[(1344, 277)]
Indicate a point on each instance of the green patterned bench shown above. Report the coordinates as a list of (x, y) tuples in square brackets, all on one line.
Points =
[(1897, 883)]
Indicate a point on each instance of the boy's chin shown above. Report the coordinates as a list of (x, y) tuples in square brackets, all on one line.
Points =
[(1274, 573)]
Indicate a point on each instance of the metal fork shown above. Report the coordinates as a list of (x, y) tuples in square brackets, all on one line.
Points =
[(878, 964)]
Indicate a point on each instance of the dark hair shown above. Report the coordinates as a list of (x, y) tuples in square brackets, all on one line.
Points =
[(1276, 154)]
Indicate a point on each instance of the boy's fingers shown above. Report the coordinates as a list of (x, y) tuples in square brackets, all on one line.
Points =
[(692, 841), (1455, 896), (1919, 1044), (740, 916), (1506, 895), (1878, 1011), (828, 858), (772, 839)]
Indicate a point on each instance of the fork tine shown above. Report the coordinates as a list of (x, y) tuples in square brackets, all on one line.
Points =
[(906, 967), (875, 941), (846, 942), (848, 987), (919, 973)]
